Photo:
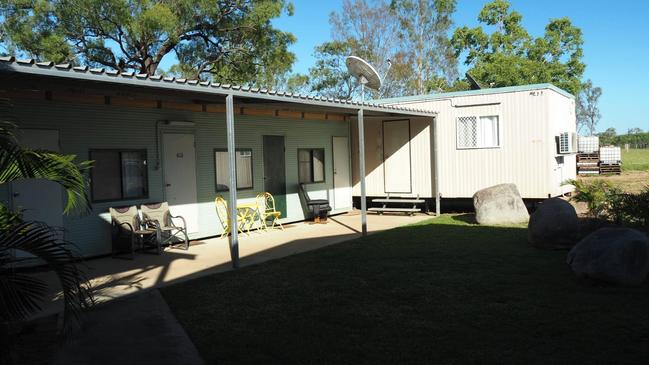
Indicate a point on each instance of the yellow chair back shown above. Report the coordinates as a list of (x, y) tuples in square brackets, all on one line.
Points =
[(222, 210), (266, 202)]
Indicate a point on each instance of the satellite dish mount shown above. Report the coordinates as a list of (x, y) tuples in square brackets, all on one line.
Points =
[(364, 73), (366, 76)]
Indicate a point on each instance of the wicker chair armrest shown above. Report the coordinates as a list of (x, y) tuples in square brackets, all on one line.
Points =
[(150, 222), (180, 217), (117, 225)]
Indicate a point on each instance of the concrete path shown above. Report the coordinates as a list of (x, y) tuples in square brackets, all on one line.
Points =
[(139, 329), (113, 278)]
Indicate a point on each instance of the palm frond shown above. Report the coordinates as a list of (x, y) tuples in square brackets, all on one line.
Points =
[(17, 162), (21, 163), (9, 218), (7, 123), (20, 295)]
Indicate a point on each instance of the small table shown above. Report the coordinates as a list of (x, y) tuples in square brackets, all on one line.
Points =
[(149, 237), (248, 212)]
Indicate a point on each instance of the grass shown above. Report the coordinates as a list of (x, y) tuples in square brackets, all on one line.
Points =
[(635, 160), (444, 291), (635, 171)]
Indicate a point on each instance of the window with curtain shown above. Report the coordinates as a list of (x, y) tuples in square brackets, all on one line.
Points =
[(478, 132), (243, 167), (311, 165), (118, 174)]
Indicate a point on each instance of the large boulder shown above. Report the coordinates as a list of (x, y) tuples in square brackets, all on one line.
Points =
[(615, 255), (500, 204), (554, 225)]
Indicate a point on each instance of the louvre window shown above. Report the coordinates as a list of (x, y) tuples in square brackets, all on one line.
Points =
[(311, 165), (243, 165), (478, 132), (118, 175)]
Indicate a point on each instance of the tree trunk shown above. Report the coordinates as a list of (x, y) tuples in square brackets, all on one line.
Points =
[(149, 67)]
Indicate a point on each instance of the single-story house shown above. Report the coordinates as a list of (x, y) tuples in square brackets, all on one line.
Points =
[(155, 138), (165, 139), (480, 138)]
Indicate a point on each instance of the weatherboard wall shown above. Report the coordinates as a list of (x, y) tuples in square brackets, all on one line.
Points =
[(562, 119), (419, 159), (85, 127), (528, 121)]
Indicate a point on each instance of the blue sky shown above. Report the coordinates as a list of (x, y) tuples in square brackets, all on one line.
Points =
[(616, 45)]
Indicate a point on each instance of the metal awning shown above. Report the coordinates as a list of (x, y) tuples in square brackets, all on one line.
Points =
[(29, 74), (27, 69)]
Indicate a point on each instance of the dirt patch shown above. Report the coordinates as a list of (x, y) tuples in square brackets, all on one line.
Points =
[(629, 181)]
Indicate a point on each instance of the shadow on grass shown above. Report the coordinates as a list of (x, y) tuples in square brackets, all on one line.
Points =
[(466, 218), (443, 292)]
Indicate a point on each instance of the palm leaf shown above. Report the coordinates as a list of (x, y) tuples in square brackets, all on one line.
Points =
[(9, 218), (17, 162), (7, 123), (21, 163), (21, 295)]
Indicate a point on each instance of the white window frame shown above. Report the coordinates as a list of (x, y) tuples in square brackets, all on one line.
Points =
[(312, 165), (240, 152), (478, 117)]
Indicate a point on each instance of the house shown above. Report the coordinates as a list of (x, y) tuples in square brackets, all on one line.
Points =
[(480, 138), (155, 138), (166, 139)]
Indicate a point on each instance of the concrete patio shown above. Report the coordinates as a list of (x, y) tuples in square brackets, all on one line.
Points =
[(113, 278)]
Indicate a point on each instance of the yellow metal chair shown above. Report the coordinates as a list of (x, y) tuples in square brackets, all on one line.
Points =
[(267, 210), (223, 214)]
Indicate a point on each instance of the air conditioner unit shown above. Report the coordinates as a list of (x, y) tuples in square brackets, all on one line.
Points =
[(567, 142)]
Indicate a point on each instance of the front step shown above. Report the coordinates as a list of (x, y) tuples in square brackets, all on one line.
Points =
[(395, 210), (388, 200)]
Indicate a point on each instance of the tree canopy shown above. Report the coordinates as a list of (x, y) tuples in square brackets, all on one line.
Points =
[(509, 55), (233, 40), (405, 40), (365, 30), (424, 26), (634, 138)]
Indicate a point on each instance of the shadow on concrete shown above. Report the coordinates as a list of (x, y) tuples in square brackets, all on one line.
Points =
[(118, 280)]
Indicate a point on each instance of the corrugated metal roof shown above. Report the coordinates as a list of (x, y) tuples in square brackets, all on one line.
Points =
[(495, 90), (67, 71)]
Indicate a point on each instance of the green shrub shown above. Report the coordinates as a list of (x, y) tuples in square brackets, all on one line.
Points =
[(597, 194), (608, 202), (631, 209)]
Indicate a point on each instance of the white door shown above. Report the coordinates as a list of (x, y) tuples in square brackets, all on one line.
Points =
[(179, 161), (396, 156), (40, 200), (342, 175)]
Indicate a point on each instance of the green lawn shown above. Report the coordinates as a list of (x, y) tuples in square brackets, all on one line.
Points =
[(635, 160), (442, 292)]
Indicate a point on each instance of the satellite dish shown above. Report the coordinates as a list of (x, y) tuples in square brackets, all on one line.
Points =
[(364, 72), (475, 85)]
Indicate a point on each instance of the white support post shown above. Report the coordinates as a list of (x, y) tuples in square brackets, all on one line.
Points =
[(361, 164), (232, 203), (435, 160)]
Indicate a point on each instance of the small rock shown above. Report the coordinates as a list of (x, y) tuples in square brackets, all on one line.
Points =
[(554, 225), (615, 255), (500, 204)]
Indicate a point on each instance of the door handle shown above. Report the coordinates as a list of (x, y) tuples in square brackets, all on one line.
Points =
[(15, 195), (167, 185)]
